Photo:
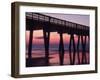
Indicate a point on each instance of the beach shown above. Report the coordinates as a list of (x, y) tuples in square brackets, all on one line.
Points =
[(38, 58)]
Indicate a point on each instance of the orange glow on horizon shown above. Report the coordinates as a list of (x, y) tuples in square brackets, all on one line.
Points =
[(54, 37)]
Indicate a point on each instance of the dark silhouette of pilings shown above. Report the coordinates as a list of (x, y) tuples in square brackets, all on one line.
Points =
[(30, 45), (72, 43), (61, 49), (78, 43), (84, 59), (46, 44)]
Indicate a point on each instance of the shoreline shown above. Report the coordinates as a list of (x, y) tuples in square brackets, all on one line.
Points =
[(38, 59)]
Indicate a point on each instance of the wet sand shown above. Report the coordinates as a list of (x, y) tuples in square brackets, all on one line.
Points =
[(38, 59)]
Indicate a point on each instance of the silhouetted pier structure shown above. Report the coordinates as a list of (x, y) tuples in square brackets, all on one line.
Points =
[(37, 21)]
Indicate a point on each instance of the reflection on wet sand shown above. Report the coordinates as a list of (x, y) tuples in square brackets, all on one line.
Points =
[(38, 59)]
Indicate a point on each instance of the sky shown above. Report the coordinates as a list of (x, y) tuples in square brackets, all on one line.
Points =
[(54, 36), (77, 18)]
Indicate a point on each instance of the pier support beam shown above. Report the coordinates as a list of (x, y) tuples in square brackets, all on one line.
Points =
[(46, 43), (84, 59), (88, 38), (61, 49), (30, 45), (78, 56), (72, 57)]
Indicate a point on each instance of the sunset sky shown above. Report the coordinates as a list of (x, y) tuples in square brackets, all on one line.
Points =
[(54, 36)]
